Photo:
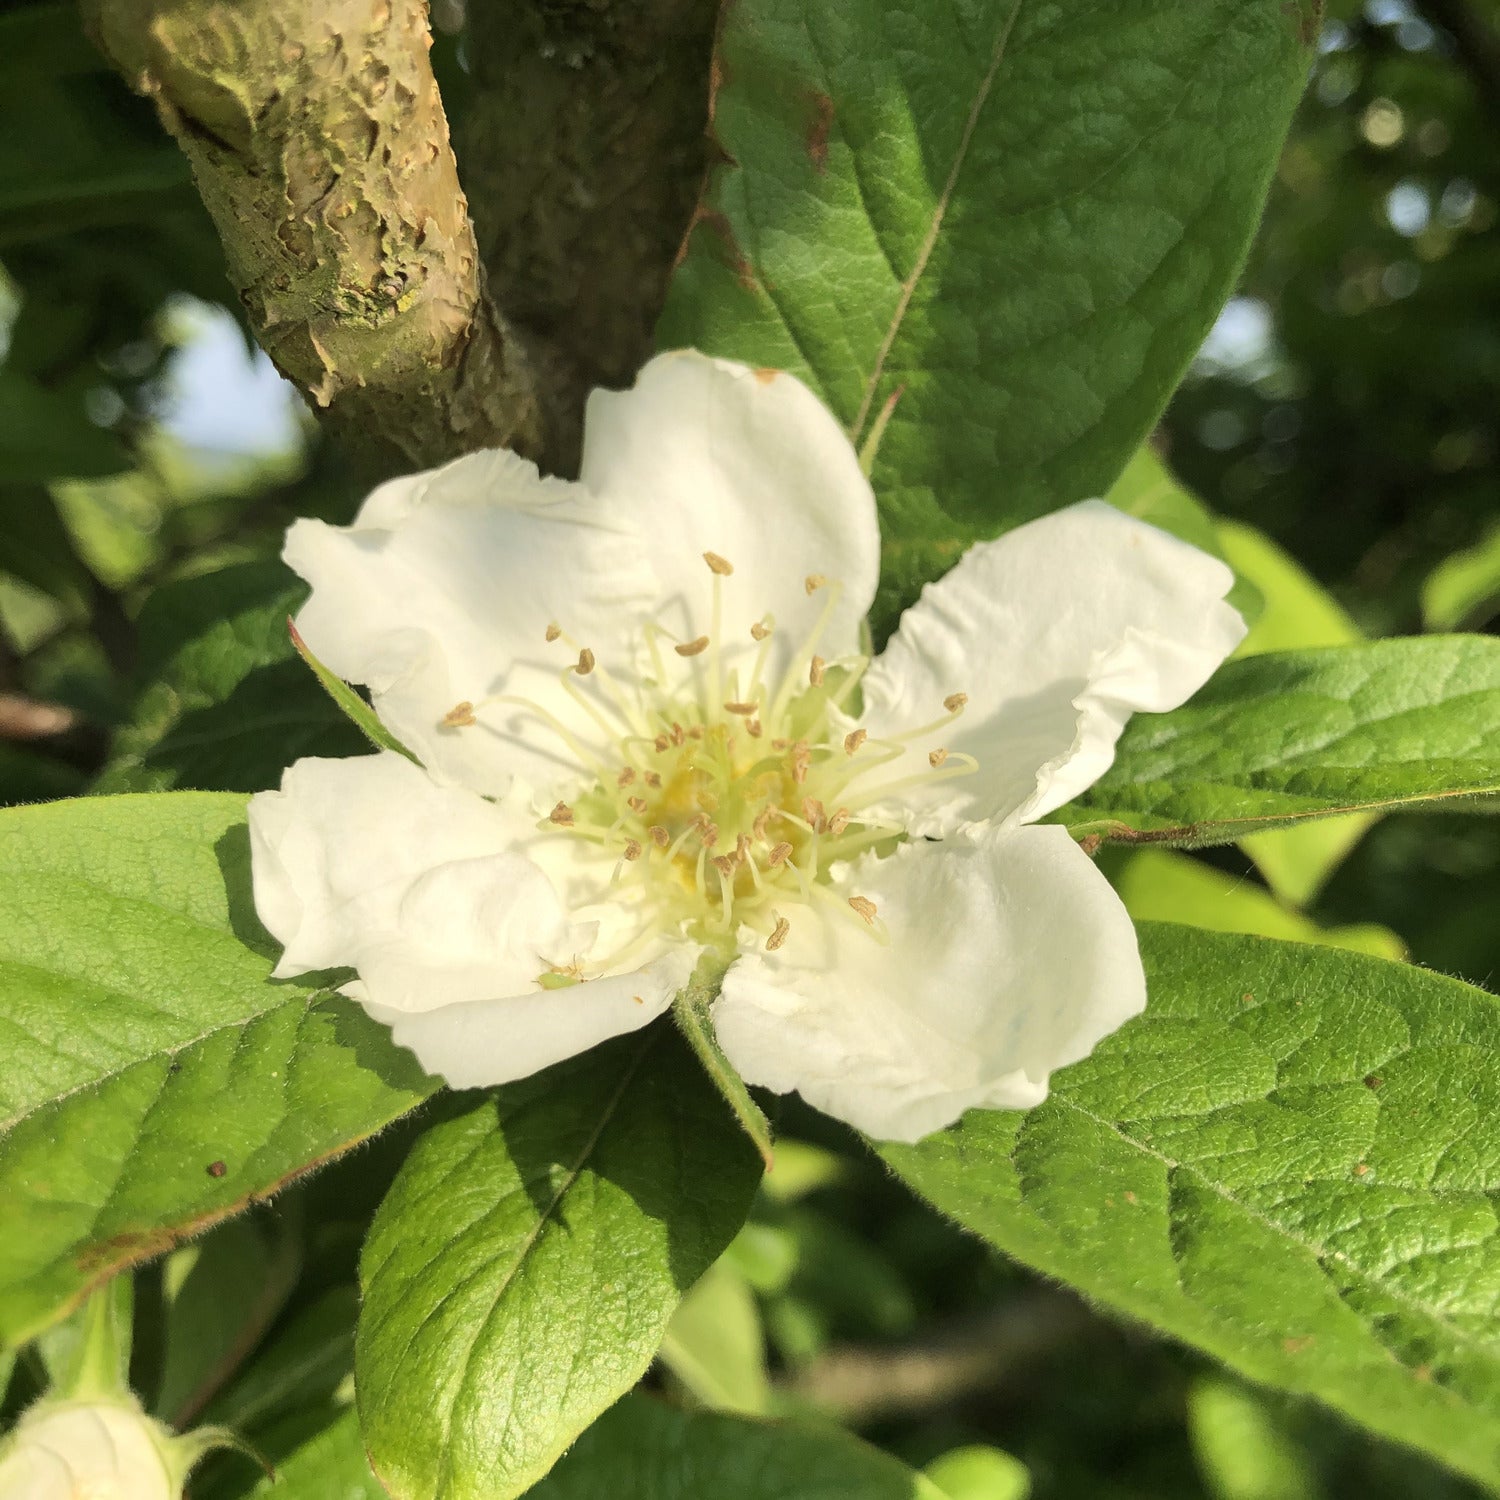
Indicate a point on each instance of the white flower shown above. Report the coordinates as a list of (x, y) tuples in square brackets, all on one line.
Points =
[(649, 730), (88, 1450)]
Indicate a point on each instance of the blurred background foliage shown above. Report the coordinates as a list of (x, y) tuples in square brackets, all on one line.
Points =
[(1342, 422)]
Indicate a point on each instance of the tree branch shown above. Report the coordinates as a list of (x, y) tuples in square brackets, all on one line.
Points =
[(320, 147), (584, 147)]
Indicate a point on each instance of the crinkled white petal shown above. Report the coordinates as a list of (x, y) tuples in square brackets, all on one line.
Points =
[(99, 1450), (480, 1043), (369, 863), (442, 591), (1009, 956), (1058, 631), (703, 455)]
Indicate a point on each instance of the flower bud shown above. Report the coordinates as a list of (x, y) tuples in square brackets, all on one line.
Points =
[(105, 1450)]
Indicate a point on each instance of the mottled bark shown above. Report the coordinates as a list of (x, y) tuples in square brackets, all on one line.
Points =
[(319, 144), (583, 149)]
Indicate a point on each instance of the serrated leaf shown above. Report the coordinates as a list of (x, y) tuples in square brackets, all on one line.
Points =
[(153, 1081), (1014, 221), (1273, 740), (520, 1274), (226, 704), (642, 1450), (1288, 1162)]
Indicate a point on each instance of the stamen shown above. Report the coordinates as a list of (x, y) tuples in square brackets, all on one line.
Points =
[(724, 863), (935, 758), (562, 815), (661, 743), (813, 582), (692, 648), (744, 710), (865, 907), (658, 835), (778, 933), (626, 776), (720, 565), (753, 729), (839, 821), (460, 716), (651, 779), (779, 855), (585, 662), (632, 849), (758, 827), (812, 810), (554, 630), (759, 631), (801, 758), (955, 701), (816, 670), (637, 804), (854, 739)]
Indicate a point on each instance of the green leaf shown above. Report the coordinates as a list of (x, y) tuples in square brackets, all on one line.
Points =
[(642, 1450), (1158, 885), (327, 1464), (153, 1081), (1009, 225), (1242, 1450), (227, 705), (714, 1344), (1287, 1162), (1463, 591), (46, 434), (1273, 740), (520, 1275), (222, 1293), (980, 1473)]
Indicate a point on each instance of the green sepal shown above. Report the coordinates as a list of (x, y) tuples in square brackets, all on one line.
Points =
[(356, 710)]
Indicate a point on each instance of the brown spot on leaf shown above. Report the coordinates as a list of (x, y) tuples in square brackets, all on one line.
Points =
[(1373, 1081), (1130, 1197), (1298, 1343), (818, 131), (216, 1169)]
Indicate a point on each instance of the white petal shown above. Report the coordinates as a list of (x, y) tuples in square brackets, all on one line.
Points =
[(369, 863), (1009, 956), (442, 591), (484, 1042), (62, 1450), (703, 455), (1058, 631)]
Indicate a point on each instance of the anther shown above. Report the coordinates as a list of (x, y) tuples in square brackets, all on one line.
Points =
[(692, 648), (696, 732), (955, 701), (661, 742), (724, 864), (652, 779), (840, 821), (632, 849), (745, 710), (752, 727), (935, 758), (865, 907), (801, 761), (758, 827), (854, 739), (779, 855), (778, 933), (678, 735), (710, 834), (626, 776), (742, 848), (562, 815), (812, 811), (813, 582), (816, 671), (780, 744), (637, 804), (658, 835), (460, 716), (585, 662), (760, 630), (553, 631), (720, 565)]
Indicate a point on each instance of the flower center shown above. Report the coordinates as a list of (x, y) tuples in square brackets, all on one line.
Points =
[(725, 798)]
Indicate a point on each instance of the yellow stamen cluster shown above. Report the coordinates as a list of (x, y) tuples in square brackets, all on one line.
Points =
[(729, 801)]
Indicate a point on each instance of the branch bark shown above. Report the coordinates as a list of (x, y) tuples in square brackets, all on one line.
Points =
[(319, 144), (584, 147)]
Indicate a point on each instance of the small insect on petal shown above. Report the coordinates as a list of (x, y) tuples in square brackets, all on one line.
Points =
[(562, 815), (692, 648), (460, 716), (778, 933), (720, 565), (865, 907)]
